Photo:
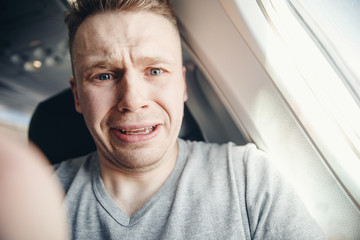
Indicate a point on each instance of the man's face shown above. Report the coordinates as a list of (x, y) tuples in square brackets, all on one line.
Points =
[(130, 86)]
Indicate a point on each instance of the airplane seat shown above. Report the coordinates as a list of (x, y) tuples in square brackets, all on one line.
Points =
[(60, 132)]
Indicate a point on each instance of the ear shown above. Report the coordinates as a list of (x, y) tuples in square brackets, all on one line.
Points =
[(76, 97), (185, 87)]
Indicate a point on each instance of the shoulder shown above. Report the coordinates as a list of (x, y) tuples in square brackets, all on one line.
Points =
[(202, 154), (204, 148), (255, 165), (221, 159), (247, 154), (80, 167), (268, 201)]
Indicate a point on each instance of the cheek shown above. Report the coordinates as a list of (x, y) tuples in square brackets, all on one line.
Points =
[(174, 88), (95, 104), (171, 99)]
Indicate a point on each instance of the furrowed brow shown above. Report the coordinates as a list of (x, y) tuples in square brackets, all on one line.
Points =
[(87, 67), (96, 64)]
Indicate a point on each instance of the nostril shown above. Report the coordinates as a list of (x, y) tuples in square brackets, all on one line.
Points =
[(132, 94), (131, 104), (123, 110)]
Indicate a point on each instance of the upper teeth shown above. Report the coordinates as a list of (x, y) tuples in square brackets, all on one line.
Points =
[(144, 130)]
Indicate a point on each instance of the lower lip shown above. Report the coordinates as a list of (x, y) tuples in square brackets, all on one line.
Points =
[(136, 137)]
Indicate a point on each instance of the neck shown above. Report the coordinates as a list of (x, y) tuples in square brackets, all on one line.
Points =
[(131, 190)]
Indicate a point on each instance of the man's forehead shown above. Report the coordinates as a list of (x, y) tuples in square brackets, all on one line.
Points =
[(125, 25), (108, 33), (140, 52)]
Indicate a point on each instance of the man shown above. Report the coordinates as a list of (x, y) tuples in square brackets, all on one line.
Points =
[(143, 182)]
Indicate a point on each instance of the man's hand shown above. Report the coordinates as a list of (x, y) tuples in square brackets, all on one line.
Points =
[(31, 200)]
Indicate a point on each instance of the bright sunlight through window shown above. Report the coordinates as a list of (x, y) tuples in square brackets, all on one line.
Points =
[(325, 92), (336, 25)]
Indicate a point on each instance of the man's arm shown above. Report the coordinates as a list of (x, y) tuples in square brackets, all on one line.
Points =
[(31, 202)]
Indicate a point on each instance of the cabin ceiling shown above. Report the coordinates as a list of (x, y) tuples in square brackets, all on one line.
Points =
[(34, 59)]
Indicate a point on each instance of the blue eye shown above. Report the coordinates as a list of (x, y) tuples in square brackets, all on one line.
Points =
[(104, 76), (155, 71)]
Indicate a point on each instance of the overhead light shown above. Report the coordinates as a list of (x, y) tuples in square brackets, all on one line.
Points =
[(32, 66), (37, 64)]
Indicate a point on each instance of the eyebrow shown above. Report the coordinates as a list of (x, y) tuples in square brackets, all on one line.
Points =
[(138, 61), (153, 60), (96, 64)]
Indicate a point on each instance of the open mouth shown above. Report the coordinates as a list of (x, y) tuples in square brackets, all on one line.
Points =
[(138, 131)]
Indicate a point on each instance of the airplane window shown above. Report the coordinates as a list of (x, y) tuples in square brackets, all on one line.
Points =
[(322, 41), (336, 26), (320, 76)]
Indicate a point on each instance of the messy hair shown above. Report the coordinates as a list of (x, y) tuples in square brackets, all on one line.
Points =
[(79, 10)]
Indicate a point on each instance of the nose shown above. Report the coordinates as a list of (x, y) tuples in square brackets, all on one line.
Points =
[(132, 94)]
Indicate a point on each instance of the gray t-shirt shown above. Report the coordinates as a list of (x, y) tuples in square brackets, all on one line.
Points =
[(214, 192)]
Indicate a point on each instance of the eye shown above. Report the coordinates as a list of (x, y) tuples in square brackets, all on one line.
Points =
[(155, 71), (104, 76)]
